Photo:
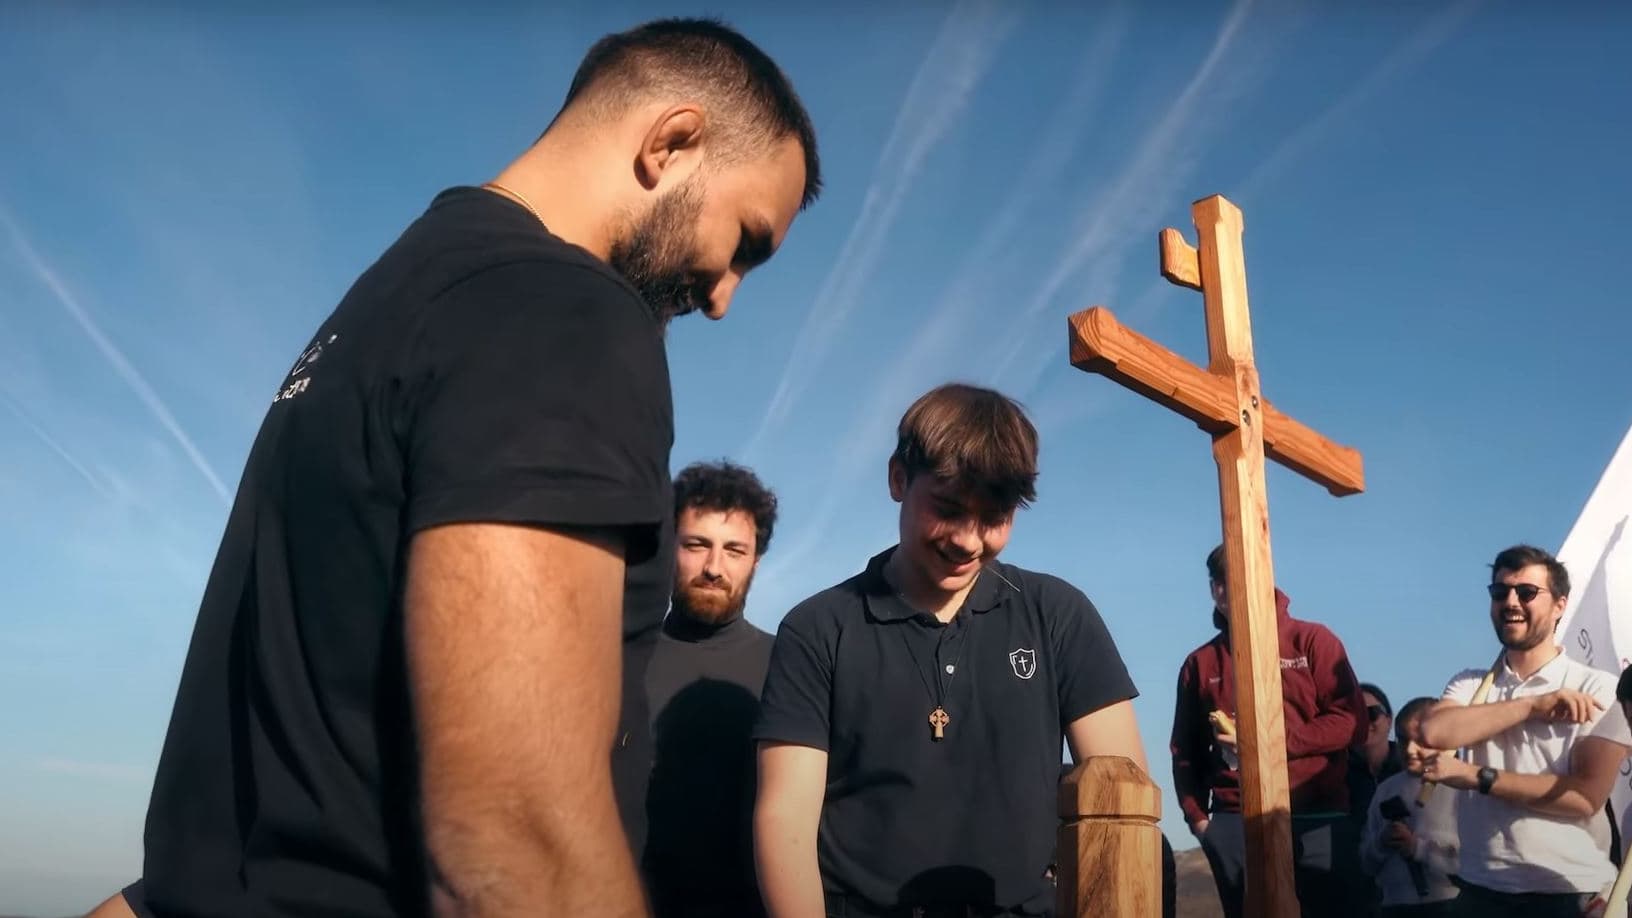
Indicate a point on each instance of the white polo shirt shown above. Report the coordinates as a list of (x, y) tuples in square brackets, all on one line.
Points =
[(1511, 848)]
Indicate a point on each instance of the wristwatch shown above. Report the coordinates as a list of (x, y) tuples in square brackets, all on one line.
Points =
[(1487, 778)]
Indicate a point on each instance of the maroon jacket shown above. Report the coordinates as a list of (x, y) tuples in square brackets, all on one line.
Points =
[(1325, 715)]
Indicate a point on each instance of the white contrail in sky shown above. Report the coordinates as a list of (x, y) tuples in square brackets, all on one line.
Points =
[(961, 309), (115, 358), (1407, 55), (1155, 163), (957, 60), (55, 446)]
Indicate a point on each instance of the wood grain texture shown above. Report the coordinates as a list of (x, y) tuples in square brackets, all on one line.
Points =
[(1249, 573), (1100, 344), (1109, 847), (1179, 263), (1226, 401)]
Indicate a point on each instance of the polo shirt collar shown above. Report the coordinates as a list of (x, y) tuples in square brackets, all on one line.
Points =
[(1551, 672), (886, 605)]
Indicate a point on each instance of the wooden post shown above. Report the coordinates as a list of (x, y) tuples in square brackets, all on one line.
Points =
[(1110, 848), (1225, 401)]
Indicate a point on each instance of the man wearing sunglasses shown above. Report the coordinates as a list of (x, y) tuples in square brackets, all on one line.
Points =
[(1541, 755)]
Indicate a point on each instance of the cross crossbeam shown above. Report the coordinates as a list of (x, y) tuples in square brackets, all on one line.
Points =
[(1225, 401)]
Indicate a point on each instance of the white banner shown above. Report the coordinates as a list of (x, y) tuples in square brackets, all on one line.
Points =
[(1597, 625)]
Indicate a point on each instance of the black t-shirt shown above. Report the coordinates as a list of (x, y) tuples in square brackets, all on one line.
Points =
[(481, 371), (971, 819), (702, 688)]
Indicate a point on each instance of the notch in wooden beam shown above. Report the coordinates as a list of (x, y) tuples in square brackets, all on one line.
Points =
[(1180, 264)]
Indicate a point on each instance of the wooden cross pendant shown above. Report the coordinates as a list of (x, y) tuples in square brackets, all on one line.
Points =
[(938, 720)]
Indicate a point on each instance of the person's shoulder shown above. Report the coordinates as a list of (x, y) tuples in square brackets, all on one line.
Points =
[(1312, 635), (756, 636), (1202, 648), (1467, 675), (1387, 787), (827, 610), (1590, 679), (1310, 630), (1050, 593), (482, 237)]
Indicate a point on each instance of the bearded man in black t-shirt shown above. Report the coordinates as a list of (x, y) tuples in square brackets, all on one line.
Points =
[(402, 690), (702, 688)]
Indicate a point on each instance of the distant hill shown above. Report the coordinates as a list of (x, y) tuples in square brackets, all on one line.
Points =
[(1197, 896)]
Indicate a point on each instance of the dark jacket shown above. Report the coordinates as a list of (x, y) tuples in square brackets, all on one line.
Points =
[(1324, 711)]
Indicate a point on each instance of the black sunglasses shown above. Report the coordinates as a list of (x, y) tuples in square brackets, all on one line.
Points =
[(1526, 591), (1377, 711)]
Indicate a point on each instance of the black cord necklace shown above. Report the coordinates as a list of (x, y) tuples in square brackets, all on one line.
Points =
[(938, 718)]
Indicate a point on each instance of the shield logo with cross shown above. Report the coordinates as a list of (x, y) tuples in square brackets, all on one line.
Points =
[(1024, 662)]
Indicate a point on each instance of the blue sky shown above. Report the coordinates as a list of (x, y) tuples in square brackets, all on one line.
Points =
[(1435, 197)]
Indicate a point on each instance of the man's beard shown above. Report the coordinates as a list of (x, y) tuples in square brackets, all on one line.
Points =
[(709, 605), (655, 255), (1533, 637)]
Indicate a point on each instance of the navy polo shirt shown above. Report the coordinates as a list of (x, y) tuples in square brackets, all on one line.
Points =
[(970, 819)]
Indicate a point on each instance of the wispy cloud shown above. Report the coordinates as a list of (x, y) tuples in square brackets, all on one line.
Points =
[(1159, 164), (111, 353), (100, 771), (957, 60), (960, 310), (1407, 55), (68, 458)]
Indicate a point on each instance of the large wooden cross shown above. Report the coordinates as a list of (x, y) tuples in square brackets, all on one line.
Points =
[(1225, 401)]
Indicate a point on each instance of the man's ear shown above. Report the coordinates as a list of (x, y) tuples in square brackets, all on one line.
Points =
[(898, 480), (672, 147)]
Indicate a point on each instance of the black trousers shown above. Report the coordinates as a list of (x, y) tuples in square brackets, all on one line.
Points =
[(851, 907), (1480, 902), (1442, 909), (1326, 865)]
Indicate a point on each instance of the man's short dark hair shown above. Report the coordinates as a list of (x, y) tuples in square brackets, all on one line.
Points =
[(725, 487), (750, 101), (1519, 557), (1215, 564), (972, 439), (1623, 689)]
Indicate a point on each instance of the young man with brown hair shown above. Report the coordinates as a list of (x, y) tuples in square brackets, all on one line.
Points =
[(911, 724)]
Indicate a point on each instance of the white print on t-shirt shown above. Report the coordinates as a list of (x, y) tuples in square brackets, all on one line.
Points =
[(298, 381), (1294, 662), (1023, 660)]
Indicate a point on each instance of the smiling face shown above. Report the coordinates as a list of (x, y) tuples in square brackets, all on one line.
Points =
[(947, 536), (1415, 752), (1522, 624)]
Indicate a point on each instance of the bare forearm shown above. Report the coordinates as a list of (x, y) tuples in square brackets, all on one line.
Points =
[(513, 646), (1560, 796), (574, 861), (785, 857), (1456, 726)]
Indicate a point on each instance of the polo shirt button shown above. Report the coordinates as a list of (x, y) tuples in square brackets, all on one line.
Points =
[(949, 668)]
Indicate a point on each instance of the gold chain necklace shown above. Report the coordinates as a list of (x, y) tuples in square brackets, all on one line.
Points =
[(519, 199)]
